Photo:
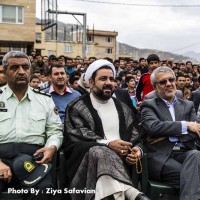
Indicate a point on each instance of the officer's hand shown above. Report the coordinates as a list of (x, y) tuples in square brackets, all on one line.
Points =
[(48, 154), (132, 157), (6, 172), (120, 147)]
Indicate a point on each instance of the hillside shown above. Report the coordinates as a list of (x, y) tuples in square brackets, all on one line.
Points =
[(136, 53), (124, 50)]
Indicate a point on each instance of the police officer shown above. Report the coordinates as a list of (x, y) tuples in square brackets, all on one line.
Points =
[(29, 121)]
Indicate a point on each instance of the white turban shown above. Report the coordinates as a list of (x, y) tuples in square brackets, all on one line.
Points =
[(95, 66)]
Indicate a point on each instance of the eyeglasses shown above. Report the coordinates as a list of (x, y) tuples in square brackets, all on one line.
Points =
[(164, 82)]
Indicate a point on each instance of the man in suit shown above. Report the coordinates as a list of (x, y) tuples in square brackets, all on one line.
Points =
[(171, 128)]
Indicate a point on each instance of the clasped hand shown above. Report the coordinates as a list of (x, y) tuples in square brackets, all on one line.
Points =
[(125, 149)]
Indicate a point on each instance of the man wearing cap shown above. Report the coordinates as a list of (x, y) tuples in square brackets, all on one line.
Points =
[(101, 140), (29, 122)]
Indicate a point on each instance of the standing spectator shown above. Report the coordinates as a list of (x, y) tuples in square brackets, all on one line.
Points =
[(61, 94), (195, 97), (128, 67), (61, 60), (34, 82), (83, 88), (117, 67), (130, 82), (195, 70), (195, 84), (73, 81), (135, 65), (39, 64), (144, 85), (69, 66), (180, 82), (182, 68), (3, 80), (189, 68), (142, 66), (188, 82), (91, 59)]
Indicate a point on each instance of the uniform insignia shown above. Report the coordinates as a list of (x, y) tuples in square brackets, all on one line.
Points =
[(55, 110), (29, 166), (41, 92), (2, 104)]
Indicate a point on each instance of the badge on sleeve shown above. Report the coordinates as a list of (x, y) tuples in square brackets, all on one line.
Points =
[(2, 104), (2, 107), (55, 110)]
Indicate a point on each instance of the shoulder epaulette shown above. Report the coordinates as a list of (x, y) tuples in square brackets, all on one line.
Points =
[(41, 92)]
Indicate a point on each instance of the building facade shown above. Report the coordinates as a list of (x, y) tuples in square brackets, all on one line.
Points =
[(99, 44), (19, 31), (17, 25)]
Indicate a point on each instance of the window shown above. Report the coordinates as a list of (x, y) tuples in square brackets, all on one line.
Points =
[(88, 50), (108, 39), (90, 38), (18, 49), (50, 52), (109, 50), (38, 37), (11, 14), (68, 48)]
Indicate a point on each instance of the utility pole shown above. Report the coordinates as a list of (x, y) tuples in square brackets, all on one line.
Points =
[(84, 26)]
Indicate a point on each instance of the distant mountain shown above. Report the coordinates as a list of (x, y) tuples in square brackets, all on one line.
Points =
[(136, 53), (192, 54), (125, 50)]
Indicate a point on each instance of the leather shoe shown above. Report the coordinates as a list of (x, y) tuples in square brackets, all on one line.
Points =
[(141, 196)]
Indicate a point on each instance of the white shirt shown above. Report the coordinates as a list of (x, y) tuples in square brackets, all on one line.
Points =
[(33, 120), (109, 117)]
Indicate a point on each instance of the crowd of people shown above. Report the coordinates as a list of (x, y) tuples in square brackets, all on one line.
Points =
[(101, 113)]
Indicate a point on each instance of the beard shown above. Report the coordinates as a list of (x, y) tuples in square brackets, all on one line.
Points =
[(101, 94)]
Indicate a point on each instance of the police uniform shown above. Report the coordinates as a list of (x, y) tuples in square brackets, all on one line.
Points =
[(33, 120), (27, 126)]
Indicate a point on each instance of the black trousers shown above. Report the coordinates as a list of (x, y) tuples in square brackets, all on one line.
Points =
[(182, 171), (8, 152)]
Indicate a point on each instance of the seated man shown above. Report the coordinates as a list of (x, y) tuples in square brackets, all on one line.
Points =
[(101, 140), (28, 121), (171, 128)]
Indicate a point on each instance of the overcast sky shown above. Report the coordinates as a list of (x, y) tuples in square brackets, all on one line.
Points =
[(155, 27)]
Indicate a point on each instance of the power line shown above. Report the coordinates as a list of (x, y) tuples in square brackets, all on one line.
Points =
[(191, 45), (141, 5)]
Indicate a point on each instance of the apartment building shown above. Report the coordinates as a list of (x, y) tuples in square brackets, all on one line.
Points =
[(19, 31), (17, 25), (99, 44)]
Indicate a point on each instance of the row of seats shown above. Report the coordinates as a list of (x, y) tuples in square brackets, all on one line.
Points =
[(153, 189)]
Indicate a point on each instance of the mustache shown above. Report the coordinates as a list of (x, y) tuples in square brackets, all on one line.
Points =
[(21, 76), (108, 87)]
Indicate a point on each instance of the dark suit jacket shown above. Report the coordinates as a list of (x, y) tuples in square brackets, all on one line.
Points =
[(195, 97), (123, 96), (157, 122), (152, 94)]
